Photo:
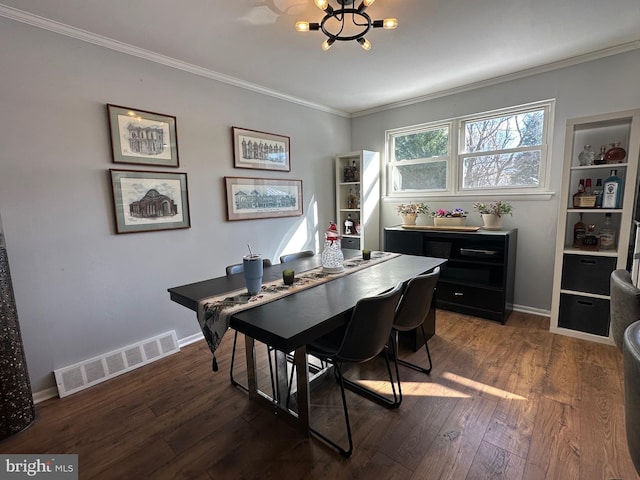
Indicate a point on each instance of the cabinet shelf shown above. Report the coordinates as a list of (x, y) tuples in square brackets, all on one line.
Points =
[(469, 282), (580, 300), (358, 198), (604, 166)]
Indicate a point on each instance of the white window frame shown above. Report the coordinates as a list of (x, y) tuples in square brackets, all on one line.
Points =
[(457, 154)]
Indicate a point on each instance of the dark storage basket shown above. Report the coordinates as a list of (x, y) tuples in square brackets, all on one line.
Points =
[(585, 314), (348, 242), (587, 273), (433, 248)]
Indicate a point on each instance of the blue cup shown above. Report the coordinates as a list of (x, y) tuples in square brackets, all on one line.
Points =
[(253, 272)]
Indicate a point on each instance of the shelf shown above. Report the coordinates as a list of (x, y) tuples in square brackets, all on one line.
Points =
[(362, 193), (604, 166), (595, 253), (585, 294), (580, 300)]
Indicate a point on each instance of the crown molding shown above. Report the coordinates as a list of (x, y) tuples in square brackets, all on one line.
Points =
[(83, 35), (587, 57)]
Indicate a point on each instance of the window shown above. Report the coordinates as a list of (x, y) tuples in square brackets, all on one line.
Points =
[(497, 151)]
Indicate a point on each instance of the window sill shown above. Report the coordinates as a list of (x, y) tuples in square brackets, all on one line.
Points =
[(475, 197)]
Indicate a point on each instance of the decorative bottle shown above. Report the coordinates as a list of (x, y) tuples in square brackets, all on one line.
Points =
[(615, 154), (598, 190), (612, 193), (587, 156), (607, 234), (332, 257), (600, 160), (579, 229), (578, 194)]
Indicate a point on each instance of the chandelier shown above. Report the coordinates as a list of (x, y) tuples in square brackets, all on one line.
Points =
[(346, 22)]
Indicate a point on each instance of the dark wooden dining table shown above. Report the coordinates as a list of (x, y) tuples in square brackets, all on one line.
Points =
[(289, 323)]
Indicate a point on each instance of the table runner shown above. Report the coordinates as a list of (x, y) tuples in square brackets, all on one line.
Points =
[(214, 312)]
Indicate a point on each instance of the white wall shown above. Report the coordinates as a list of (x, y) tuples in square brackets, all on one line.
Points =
[(606, 85), (81, 290)]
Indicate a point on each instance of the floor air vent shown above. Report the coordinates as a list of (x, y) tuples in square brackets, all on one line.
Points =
[(82, 375)]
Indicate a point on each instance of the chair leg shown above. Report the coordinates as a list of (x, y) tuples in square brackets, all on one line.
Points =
[(413, 365), (343, 452), (375, 396)]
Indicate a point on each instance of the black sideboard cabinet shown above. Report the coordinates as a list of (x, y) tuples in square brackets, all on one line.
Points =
[(479, 275)]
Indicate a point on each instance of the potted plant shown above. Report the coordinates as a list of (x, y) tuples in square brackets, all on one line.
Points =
[(449, 218), (410, 211), (493, 212)]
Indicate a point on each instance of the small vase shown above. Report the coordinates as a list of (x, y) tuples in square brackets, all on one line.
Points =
[(449, 221), (491, 221), (409, 218)]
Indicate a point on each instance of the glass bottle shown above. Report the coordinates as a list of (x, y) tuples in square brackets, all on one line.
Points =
[(579, 229), (612, 193), (590, 240), (598, 190), (599, 160), (588, 198), (351, 200), (607, 234), (578, 194), (356, 173), (615, 154), (348, 225), (587, 156)]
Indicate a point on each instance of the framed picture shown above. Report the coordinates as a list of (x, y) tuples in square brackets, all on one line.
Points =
[(148, 201), (142, 138), (260, 150), (249, 198)]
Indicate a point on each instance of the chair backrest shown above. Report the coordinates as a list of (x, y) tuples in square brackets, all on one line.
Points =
[(292, 256), (416, 301), (624, 305), (369, 328), (239, 267), (631, 361)]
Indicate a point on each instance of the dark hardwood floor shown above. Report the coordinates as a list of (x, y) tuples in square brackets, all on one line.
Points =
[(503, 402)]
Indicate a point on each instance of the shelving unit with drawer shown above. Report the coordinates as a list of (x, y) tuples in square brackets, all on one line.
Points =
[(580, 301)]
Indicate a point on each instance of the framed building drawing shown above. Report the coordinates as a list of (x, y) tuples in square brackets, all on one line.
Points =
[(249, 198), (260, 150), (149, 201), (142, 138)]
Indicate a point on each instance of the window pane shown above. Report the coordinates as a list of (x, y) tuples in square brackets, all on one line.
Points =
[(512, 170), (499, 133), (433, 143), (422, 176)]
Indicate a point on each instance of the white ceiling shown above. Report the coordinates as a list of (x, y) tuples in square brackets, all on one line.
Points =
[(439, 46)]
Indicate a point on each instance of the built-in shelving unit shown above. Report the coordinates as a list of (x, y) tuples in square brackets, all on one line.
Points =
[(580, 302), (358, 198)]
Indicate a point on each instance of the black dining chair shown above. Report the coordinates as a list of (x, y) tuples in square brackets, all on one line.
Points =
[(293, 256), (412, 311), (232, 270), (363, 337)]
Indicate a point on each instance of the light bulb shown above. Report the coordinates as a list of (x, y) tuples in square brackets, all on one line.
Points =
[(390, 23), (366, 3), (321, 4), (326, 45), (364, 43), (302, 26)]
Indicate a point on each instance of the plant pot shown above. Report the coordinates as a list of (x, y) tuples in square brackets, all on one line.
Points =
[(491, 221), (449, 221), (409, 218)]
